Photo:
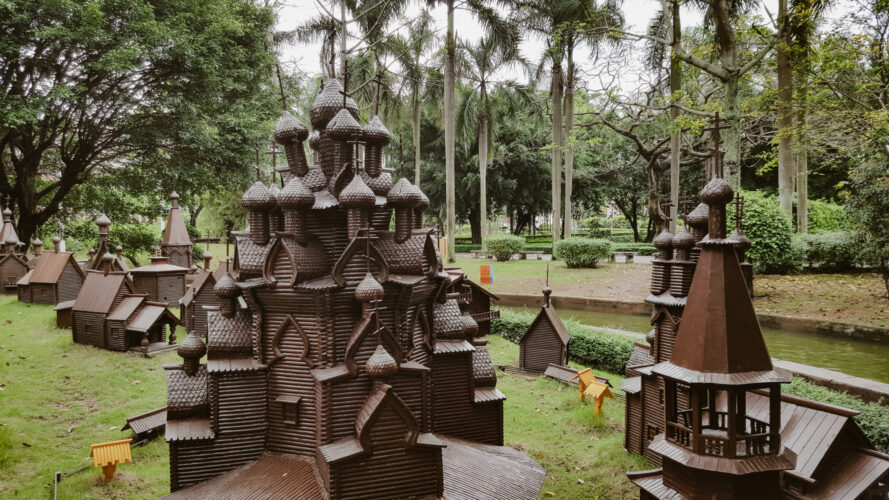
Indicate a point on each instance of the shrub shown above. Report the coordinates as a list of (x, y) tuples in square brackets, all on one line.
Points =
[(588, 346), (826, 216), (502, 246), (582, 252), (640, 248), (829, 252), (770, 234)]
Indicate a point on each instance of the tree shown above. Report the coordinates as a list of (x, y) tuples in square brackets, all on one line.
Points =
[(869, 204), (785, 110), (91, 88), (479, 63)]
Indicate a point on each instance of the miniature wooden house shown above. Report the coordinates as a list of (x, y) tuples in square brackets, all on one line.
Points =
[(176, 244), (97, 256), (474, 300), (349, 365), (724, 429), (161, 281), (199, 295), (56, 278), (13, 265), (546, 339), (109, 314)]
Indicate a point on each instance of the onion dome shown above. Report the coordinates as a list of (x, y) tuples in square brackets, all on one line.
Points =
[(118, 249), (314, 140), (380, 184), (380, 364), (470, 327), (295, 195), (315, 179), (226, 288), (742, 243), (663, 240), (717, 192), (424, 200), (698, 216), (375, 133), (344, 126), (328, 103), (356, 194), (650, 337), (192, 348), (257, 197), (106, 259), (7, 213), (56, 239), (289, 129), (37, 242), (11, 241), (103, 221), (174, 195), (684, 239), (92, 251), (369, 289), (207, 255), (402, 195)]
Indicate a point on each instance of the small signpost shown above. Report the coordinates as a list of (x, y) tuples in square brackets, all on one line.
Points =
[(487, 274)]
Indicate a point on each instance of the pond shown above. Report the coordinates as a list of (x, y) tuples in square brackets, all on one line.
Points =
[(854, 357)]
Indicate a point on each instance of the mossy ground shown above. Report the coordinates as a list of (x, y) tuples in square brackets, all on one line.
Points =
[(57, 398)]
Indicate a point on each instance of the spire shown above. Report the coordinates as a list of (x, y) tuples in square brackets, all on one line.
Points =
[(175, 232)]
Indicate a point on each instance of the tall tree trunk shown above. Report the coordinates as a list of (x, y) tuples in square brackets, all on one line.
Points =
[(415, 125), (728, 55), (557, 147), (483, 178), (450, 129), (193, 213), (569, 126), (802, 158), (675, 89), (343, 33), (785, 112)]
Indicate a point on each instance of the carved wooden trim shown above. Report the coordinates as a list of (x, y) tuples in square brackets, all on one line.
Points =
[(279, 333)]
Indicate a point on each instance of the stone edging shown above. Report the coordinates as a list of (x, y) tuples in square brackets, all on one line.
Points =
[(767, 320)]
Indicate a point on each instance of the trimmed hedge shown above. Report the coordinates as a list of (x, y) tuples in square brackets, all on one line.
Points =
[(582, 252), (770, 232), (588, 346), (829, 252), (640, 248), (502, 246)]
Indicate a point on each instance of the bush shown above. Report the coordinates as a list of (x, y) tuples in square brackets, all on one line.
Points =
[(582, 252), (826, 216), (829, 252), (588, 346), (770, 234), (622, 236), (502, 246)]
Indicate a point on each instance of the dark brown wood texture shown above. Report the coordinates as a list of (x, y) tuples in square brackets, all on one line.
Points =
[(545, 342)]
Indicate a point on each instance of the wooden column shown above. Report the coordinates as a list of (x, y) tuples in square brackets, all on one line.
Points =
[(742, 411), (774, 418), (731, 446), (712, 417), (696, 418)]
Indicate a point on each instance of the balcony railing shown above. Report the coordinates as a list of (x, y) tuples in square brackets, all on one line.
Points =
[(485, 316), (752, 439)]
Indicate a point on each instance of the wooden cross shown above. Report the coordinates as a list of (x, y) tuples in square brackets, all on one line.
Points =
[(281, 87), (345, 90), (355, 161), (705, 177), (685, 202), (379, 81), (256, 149), (739, 212), (716, 153), (665, 207), (274, 152)]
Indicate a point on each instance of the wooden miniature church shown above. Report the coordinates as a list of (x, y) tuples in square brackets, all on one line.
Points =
[(54, 279), (545, 341), (335, 345), (176, 244), (97, 257), (160, 281), (13, 265)]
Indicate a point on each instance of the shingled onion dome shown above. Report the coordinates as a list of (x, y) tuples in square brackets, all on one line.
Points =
[(104, 223), (369, 290), (716, 194), (343, 128), (697, 221), (290, 133), (315, 145), (276, 217), (57, 244), (207, 256), (294, 200), (192, 349), (328, 103), (404, 198), (380, 364), (227, 291), (38, 246), (660, 267), (107, 259), (358, 200), (377, 136), (420, 208), (682, 267), (258, 201)]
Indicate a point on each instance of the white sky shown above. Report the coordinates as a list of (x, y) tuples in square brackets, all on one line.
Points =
[(638, 13)]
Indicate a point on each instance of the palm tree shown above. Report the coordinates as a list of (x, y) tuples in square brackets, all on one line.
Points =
[(496, 26), (479, 63), (564, 24), (409, 52)]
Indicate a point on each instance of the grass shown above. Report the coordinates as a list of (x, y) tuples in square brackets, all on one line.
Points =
[(57, 398)]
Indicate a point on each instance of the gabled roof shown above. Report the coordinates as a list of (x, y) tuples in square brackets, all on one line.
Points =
[(51, 265), (145, 422), (148, 315), (159, 268), (548, 312), (10, 257), (99, 291), (26, 279), (126, 307)]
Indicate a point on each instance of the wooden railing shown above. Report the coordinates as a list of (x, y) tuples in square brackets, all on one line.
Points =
[(485, 316), (752, 439)]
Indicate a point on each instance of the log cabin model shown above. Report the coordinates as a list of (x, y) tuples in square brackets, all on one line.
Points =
[(545, 342), (339, 363), (199, 294), (55, 278), (176, 244), (13, 264), (703, 400)]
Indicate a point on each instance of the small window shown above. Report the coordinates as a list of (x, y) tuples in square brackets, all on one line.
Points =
[(650, 432), (660, 398), (289, 409)]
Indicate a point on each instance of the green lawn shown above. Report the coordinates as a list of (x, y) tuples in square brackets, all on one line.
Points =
[(57, 398)]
